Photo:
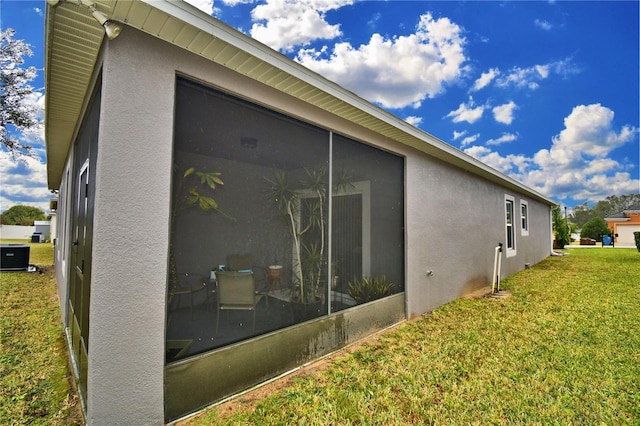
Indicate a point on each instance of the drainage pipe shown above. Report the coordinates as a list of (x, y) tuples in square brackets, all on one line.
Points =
[(497, 265)]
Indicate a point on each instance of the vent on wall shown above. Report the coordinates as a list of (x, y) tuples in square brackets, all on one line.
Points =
[(14, 257)]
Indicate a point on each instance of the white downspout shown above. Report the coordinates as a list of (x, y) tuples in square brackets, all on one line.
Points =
[(497, 266)]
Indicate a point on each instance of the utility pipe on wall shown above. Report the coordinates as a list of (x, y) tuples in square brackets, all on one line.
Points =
[(497, 266)]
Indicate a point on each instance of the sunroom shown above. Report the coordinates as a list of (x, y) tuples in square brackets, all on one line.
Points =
[(313, 219), (276, 224)]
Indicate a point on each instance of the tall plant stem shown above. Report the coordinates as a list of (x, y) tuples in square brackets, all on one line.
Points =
[(296, 241), (320, 198)]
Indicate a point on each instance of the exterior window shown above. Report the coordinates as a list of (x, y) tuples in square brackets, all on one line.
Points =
[(524, 217), (306, 219), (510, 225)]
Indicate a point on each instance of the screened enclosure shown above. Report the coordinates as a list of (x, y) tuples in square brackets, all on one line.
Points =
[(274, 222)]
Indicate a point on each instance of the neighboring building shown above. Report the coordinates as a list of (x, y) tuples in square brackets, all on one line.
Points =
[(624, 224), (127, 118), (43, 227)]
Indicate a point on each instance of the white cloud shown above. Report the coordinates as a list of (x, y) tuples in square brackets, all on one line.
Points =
[(469, 140), (204, 5), (601, 186), (467, 112), (577, 163), (458, 135), (236, 2), (375, 19), (564, 68), (395, 72), (24, 182), (588, 133), (512, 164), (522, 77), (505, 138), (601, 166), (542, 70), (413, 120), (542, 24), (485, 79), (504, 113), (285, 24), (531, 76)]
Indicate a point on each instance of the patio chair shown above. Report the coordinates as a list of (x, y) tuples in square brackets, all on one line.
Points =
[(236, 291)]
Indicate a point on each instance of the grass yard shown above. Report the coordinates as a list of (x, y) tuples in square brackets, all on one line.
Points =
[(34, 377), (563, 349)]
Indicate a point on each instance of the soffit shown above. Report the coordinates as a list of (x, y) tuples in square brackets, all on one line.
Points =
[(74, 40)]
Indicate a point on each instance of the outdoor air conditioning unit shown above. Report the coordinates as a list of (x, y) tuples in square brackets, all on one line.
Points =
[(14, 257)]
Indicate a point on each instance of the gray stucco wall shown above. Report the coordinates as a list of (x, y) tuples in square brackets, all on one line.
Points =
[(454, 221), (127, 308)]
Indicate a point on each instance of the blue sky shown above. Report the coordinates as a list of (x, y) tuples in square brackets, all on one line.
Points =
[(544, 91)]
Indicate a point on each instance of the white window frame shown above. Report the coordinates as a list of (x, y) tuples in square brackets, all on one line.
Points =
[(509, 226), (524, 218)]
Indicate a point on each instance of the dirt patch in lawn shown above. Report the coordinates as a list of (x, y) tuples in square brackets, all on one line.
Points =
[(478, 293)]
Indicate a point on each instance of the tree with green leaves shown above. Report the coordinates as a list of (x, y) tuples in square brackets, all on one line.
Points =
[(595, 229), (561, 228), (18, 111), (609, 206), (22, 215)]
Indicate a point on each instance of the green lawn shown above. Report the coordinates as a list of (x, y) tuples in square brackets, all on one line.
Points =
[(34, 377), (563, 349)]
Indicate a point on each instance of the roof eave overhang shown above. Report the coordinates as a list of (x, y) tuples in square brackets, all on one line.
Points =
[(183, 25), (72, 42)]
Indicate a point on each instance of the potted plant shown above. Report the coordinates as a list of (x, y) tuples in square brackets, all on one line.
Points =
[(194, 189), (368, 289), (303, 207)]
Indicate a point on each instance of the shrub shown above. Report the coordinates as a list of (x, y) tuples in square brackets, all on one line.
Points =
[(636, 235), (595, 229), (370, 288), (561, 228)]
